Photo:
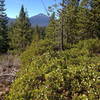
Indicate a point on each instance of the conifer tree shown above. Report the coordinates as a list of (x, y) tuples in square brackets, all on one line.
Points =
[(3, 28), (37, 35), (95, 19), (83, 22), (42, 32), (51, 29), (91, 21), (70, 20), (21, 33), (67, 22)]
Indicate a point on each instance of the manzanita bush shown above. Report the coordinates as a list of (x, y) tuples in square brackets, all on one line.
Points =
[(72, 74)]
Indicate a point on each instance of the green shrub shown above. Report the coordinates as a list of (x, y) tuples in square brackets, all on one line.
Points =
[(56, 75), (93, 45), (37, 49)]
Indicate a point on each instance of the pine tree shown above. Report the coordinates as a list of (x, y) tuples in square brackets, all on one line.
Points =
[(69, 15), (83, 22), (3, 28), (92, 23), (67, 22), (21, 33), (42, 32), (37, 35), (51, 29), (95, 19)]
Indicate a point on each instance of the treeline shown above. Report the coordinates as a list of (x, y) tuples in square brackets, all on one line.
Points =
[(77, 20)]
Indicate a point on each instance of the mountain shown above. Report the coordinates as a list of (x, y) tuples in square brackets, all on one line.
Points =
[(40, 20)]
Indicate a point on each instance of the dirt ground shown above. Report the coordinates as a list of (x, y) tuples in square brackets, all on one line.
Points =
[(9, 66)]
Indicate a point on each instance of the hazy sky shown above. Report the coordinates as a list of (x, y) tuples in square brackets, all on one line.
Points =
[(33, 6)]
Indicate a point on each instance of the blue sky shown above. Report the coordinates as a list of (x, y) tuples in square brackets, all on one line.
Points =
[(33, 7)]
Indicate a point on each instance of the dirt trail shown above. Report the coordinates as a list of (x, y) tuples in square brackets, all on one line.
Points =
[(9, 65)]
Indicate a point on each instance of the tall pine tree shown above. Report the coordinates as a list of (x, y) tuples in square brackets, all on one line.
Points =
[(51, 29), (3, 28), (92, 22), (83, 22), (69, 15), (20, 33), (95, 19)]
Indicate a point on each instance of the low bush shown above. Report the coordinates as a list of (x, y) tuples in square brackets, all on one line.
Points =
[(57, 75)]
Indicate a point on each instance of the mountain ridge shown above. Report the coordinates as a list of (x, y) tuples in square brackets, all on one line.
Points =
[(39, 19)]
